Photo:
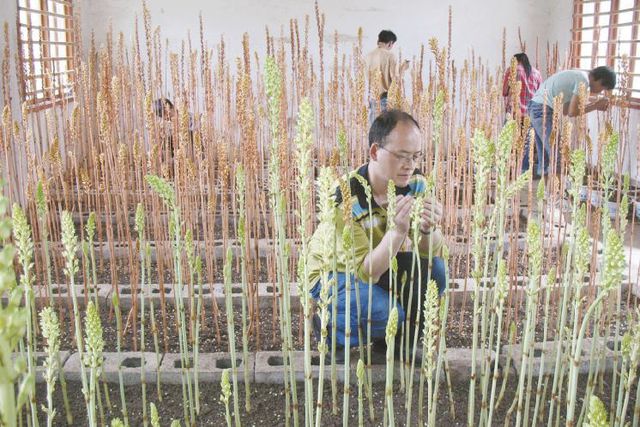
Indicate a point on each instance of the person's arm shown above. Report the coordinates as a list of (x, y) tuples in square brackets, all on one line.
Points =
[(572, 108), (377, 262)]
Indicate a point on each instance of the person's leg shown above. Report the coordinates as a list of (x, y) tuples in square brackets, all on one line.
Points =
[(379, 310), (536, 114), (439, 274), (548, 125), (526, 161)]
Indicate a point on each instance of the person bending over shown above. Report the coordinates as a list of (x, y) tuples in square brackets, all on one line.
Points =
[(566, 83)]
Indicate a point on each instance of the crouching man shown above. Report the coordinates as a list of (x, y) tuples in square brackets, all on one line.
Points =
[(394, 151)]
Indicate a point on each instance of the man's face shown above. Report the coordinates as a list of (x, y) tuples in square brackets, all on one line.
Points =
[(595, 86), (397, 159)]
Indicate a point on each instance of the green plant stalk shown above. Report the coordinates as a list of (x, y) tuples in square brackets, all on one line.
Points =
[(577, 175), (167, 194), (303, 143), (285, 308), (196, 345), (145, 288), (539, 394), (447, 372), (70, 243), (360, 394), (115, 299), (334, 330), (232, 336), (438, 114), (325, 205), (623, 223), (51, 332), (349, 267), (273, 89), (616, 350), (499, 302), (611, 275), (575, 362), (482, 155), (535, 262), (401, 357), (369, 387), (411, 368), (154, 326), (24, 244), (503, 148), (90, 228), (512, 340), (444, 311), (322, 349), (43, 213), (193, 320), (636, 408), (14, 320), (626, 382), (594, 367), (8, 409), (614, 265), (415, 231), (392, 326), (95, 346), (187, 391), (245, 292), (226, 393)]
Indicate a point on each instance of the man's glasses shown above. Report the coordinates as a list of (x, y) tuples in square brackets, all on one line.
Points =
[(406, 158)]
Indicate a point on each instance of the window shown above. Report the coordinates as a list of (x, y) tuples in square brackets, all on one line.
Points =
[(46, 44), (605, 31)]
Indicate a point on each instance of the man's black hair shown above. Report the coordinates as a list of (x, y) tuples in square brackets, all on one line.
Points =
[(605, 76), (385, 123), (387, 36), (159, 106)]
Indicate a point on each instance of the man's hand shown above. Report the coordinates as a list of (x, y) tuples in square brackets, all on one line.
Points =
[(431, 215), (404, 66), (403, 214), (602, 104)]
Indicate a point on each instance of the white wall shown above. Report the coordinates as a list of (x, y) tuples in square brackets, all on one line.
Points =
[(476, 24)]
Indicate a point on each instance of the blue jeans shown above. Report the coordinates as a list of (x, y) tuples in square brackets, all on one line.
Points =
[(373, 106), (541, 117), (379, 301)]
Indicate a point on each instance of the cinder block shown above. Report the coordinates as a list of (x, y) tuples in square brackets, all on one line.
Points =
[(266, 293), (154, 293), (60, 291), (459, 362), (269, 367), (40, 357), (550, 351), (464, 288), (210, 367), (129, 363)]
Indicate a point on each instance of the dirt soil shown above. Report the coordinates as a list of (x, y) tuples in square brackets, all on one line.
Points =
[(268, 404)]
